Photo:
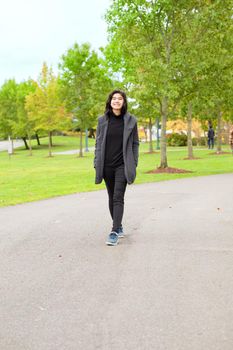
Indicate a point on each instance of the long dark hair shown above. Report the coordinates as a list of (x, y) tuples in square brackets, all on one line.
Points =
[(108, 109)]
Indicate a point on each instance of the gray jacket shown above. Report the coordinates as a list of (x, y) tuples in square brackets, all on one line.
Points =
[(130, 147)]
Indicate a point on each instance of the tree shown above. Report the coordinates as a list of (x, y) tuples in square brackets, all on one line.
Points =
[(22, 126), (161, 43), (146, 110), (44, 106), (8, 108), (85, 83)]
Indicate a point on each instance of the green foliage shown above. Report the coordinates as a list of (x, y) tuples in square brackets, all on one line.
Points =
[(8, 108), (200, 141), (171, 50), (177, 140), (85, 83), (45, 109), (22, 126)]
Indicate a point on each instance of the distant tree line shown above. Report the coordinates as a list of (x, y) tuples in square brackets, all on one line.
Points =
[(70, 101)]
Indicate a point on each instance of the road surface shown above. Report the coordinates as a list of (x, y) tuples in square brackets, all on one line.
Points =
[(168, 285)]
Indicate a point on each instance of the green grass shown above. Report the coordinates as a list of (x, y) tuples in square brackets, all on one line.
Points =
[(61, 143), (24, 178)]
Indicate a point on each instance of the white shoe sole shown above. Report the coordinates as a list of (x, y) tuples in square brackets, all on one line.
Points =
[(110, 243)]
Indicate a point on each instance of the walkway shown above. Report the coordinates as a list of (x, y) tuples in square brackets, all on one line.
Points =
[(167, 285)]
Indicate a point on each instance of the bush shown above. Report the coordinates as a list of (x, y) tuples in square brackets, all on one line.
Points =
[(200, 141), (194, 141), (177, 140)]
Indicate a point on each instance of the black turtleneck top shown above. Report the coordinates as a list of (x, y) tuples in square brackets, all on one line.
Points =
[(114, 141)]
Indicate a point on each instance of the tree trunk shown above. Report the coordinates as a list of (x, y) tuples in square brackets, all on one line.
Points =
[(163, 141), (30, 144), (81, 144), (38, 140), (189, 131), (157, 133), (145, 132), (219, 132), (86, 141), (51, 138), (150, 136), (12, 146), (25, 142), (50, 145)]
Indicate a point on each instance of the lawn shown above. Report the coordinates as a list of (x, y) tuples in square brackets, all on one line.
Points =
[(24, 178)]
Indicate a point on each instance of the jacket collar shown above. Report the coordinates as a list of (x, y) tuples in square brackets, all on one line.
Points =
[(128, 120), (129, 124)]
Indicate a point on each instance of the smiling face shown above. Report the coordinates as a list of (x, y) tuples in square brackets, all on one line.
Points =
[(117, 102)]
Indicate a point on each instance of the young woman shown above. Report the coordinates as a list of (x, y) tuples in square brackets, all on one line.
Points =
[(116, 156)]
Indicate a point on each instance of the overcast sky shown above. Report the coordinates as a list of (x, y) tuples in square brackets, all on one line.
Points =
[(34, 31)]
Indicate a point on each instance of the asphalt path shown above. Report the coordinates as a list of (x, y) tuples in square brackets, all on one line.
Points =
[(4, 145), (168, 285)]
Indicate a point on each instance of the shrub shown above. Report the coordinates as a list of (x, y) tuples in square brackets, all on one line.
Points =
[(177, 140), (194, 141), (202, 141)]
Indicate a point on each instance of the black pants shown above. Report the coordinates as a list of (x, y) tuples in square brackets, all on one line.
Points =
[(211, 143), (116, 184)]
